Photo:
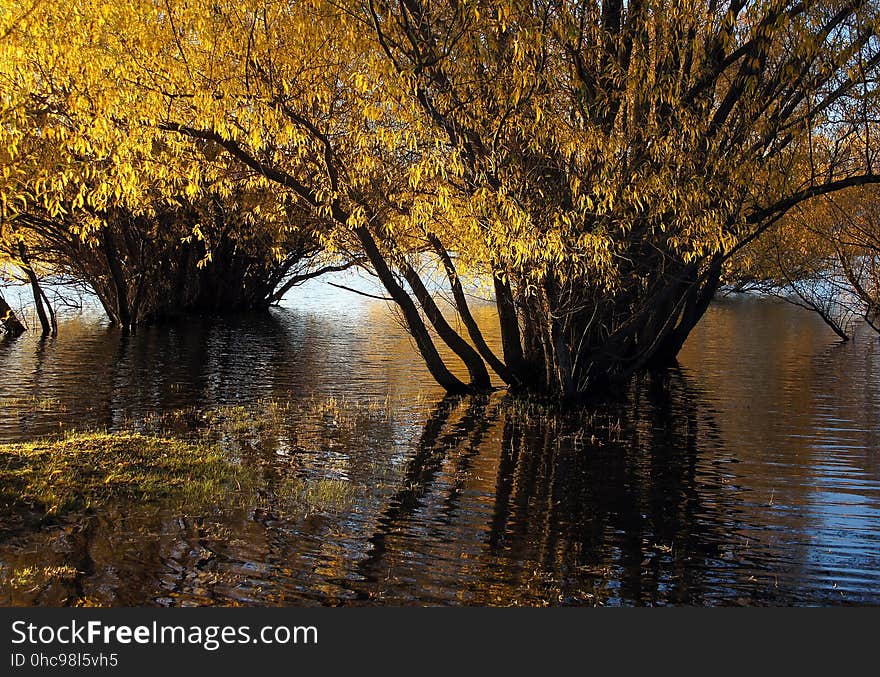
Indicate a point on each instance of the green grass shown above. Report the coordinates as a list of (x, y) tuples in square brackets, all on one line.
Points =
[(186, 454), (315, 495), (88, 469)]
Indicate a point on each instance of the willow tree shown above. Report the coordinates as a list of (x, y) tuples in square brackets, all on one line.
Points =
[(612, 155), (824, 256), (598, 161), (852, 225), (92, 191)]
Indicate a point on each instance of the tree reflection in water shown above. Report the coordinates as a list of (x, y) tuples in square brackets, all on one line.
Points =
[(607, 504)]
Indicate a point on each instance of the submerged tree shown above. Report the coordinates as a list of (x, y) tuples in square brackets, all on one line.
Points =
[(597, 161), (201, 255), (824, 256), (155, 227), (850, 223), (613, 155)]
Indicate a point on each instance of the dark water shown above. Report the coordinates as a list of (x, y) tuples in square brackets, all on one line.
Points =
[(751, 475)]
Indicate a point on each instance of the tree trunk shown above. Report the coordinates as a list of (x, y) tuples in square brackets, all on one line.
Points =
[(53, 320), (464, 312), (123, 316), (472, 360), (511, 341), (577, 341), (37, 292), (696, 306), (414, 322), (537, 359)]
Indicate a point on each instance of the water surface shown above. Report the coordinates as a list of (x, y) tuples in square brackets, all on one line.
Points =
[(749, 475)]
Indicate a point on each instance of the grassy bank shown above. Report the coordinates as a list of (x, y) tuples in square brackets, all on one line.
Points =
[(88, 469)]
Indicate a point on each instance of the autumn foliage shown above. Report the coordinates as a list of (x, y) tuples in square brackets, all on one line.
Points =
[(598, 163), (823, 256)]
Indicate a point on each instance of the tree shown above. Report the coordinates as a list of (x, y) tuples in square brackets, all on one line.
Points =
[(207, 254), (618, 153), (823, 256), (597, 161), (156, 227), (851, 223)]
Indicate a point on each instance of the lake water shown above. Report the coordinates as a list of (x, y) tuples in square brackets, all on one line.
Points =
[(749, 475)]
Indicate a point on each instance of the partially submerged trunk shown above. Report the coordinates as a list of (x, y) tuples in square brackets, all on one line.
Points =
[(414, 322), (143, 272), (48, 322), (604, 340), (562, 337), (8, 320)]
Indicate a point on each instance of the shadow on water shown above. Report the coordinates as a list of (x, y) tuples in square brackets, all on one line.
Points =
[(598, 506)]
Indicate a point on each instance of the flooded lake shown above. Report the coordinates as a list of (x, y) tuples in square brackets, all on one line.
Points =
[(749, 475)]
